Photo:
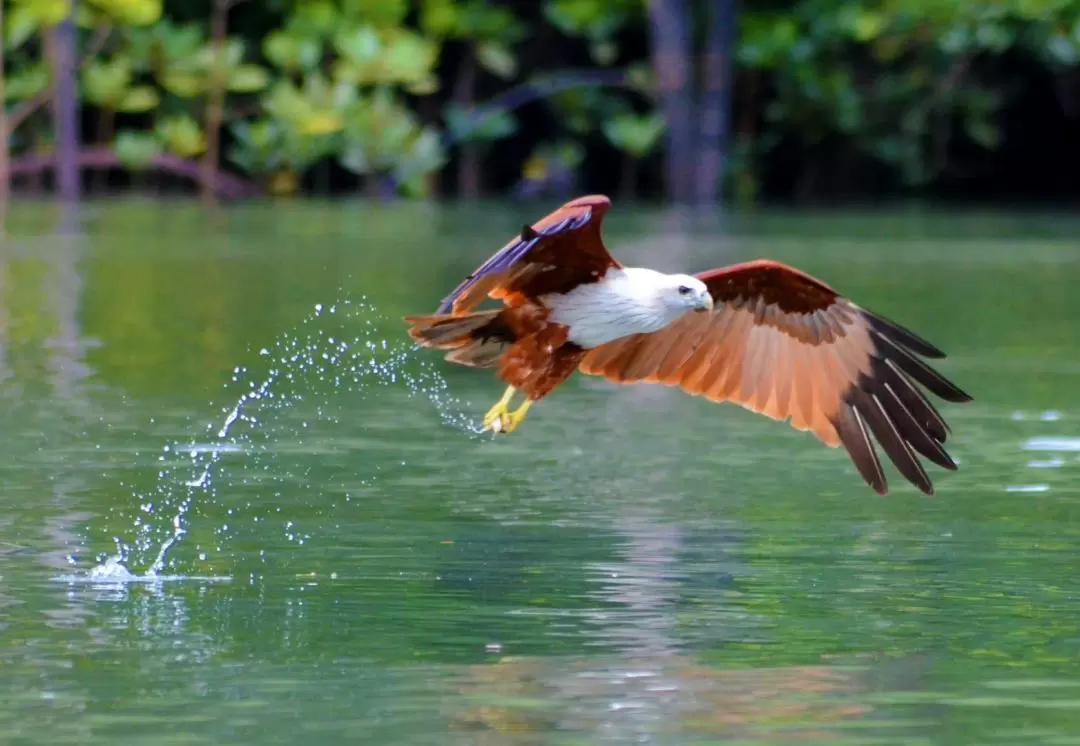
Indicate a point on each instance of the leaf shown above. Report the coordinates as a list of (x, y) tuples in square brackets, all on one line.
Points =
[(136, 150), (301, 151), (206, 58), (354, 159), (139, 99), (281, 48), (359, 44), (496, 59), (182, 84), (259, 134), (595, 19), (479, 125), (104, 82), (182, 135), (380, 134), (43, 12), (641, 77), (994, 36), (321, 123), (604, 52), (983, 132), (868, 24), (20, 24), (439, 18), (571, 153), (144, 12), (131, 12), (286, 103), (318, 17), (425, 156), (534, 168), (289, 51), (1062, 50), (406, 58), (341, 96), (258, 145), (89, 17), (181, 42), (495, 127), (313, 111), (955, 41), (637, 135), (27, 82), (378, 13), (458, 120), (248, 78), (283, 182), (424, 87)]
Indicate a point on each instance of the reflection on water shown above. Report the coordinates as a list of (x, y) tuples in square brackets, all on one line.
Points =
[(667, 698), (634, 566)]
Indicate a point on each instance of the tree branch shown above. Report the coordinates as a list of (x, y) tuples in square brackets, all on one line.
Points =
[(28, 107), (229, 185)]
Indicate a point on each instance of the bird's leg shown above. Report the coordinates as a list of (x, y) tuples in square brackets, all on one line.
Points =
[(511, 420), (493, 420), (500, 419)]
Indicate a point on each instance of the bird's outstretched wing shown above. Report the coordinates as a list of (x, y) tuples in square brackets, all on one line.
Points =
[(555, 254), (784, 344)]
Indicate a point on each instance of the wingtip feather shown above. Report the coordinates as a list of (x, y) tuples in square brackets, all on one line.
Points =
[(594, 201)]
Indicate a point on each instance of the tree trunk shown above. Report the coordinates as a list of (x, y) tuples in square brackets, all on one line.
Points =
[(469, 155), (35, 181), (714, 117), (5, 175), (322, 179), (628, 180), (371, 187), (215, 100), (747, 183), (106, 121), (672, 61), (428, 107), (66, 109)]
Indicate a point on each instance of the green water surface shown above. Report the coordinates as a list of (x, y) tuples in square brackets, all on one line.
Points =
[(632, 566)]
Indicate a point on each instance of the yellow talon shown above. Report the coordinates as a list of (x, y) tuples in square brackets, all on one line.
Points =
[(500, 419), (511, 420), (493, 419)]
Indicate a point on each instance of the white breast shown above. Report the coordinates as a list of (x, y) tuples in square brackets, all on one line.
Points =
[(626, 301)]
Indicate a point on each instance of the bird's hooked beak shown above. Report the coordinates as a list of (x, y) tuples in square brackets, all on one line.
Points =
[(705, 302)]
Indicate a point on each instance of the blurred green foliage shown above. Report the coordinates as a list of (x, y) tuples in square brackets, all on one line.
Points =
[(898, 79), (376, 86)]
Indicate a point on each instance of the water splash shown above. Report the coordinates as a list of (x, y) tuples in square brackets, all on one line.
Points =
[(313, 353), (1053, 443)]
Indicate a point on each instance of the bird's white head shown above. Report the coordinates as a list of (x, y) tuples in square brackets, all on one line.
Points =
[(686, 293), (629, 300)]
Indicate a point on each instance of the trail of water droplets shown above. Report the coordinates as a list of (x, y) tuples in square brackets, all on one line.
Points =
[(297, 361)]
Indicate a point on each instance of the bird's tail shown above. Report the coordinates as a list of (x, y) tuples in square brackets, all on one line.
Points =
[(476, 339)]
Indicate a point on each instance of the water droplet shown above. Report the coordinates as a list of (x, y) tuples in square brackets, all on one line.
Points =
[(1053, 443), (303, 361)]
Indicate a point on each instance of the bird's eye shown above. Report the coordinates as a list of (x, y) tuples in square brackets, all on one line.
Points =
[(684, 290)]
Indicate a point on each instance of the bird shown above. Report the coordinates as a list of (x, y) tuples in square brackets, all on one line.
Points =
[(760, 334)]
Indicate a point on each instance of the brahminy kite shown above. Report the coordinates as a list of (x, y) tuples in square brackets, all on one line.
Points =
[(760, 334)]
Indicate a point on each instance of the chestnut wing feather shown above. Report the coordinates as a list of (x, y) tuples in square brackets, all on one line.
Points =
[(558, 252), (784, 344)]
